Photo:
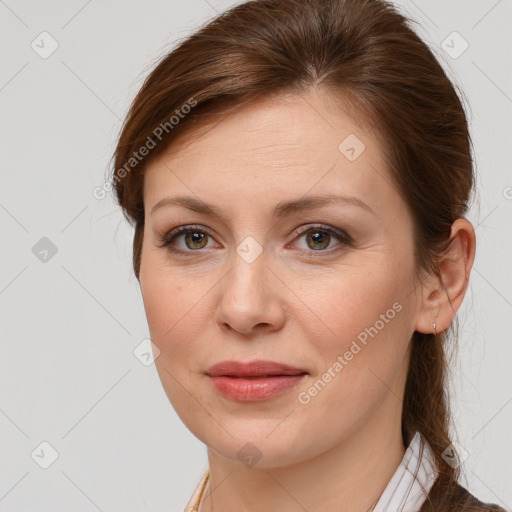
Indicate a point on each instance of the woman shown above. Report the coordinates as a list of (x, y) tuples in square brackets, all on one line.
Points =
[(297, 174)]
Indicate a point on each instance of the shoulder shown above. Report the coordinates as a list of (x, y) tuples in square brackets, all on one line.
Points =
[(470, 502), (455, 498)]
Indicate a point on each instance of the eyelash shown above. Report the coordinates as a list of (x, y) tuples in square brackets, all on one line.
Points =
[(168, 238)]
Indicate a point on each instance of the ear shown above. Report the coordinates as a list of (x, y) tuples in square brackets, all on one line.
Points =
[(442, 292)]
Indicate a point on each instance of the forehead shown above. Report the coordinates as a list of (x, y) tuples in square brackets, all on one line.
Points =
[(286, 144)]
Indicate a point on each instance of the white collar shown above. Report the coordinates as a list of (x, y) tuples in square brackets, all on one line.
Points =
[(406, 491), (409, 486)]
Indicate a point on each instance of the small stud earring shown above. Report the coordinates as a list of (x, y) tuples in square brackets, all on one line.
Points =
[(435, 332)]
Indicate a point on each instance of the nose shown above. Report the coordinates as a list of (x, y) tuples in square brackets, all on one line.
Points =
[(252, 298)]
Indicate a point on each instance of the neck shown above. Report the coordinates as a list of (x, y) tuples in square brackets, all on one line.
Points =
[(347, 477)]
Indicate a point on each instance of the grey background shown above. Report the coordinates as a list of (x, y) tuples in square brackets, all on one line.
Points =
[(69, 325)]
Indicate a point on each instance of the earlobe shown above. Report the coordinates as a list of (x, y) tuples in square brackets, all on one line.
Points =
[(444, 291), (430, 306)]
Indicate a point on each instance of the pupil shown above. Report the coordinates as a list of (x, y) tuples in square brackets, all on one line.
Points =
[(319, 238), (196, 238)]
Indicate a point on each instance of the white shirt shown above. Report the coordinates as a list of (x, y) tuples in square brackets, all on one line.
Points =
[(409, 486), (406, 491)]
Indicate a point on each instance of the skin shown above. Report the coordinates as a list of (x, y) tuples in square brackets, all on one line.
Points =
[(295, 303)]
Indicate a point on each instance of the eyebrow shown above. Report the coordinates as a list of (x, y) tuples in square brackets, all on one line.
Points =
[(281, 210)]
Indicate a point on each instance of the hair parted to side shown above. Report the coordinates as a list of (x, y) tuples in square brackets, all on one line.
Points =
[(361, 50)]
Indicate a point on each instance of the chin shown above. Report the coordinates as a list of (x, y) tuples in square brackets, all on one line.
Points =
[(256, 447)]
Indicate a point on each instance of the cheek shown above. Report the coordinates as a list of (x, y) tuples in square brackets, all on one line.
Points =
[(363, 315), (350, 301), (362, 361), (176, 323), (172, 304)]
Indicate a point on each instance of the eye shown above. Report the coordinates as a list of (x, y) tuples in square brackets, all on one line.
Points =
[(318, 238), (195, 238)]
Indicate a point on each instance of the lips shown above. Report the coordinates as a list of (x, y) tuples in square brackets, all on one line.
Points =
[(253, 369), (255, 381)]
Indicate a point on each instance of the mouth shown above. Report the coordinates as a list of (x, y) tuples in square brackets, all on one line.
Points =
[(266, 376), (253, 369), (255, 381), (255, 388)]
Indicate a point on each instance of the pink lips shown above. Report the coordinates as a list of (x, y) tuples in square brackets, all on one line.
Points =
[(254, 381)]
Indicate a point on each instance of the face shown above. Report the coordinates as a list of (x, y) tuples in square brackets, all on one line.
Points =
[(328, 289)]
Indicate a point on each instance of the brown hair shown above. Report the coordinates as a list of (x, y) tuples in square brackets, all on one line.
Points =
[(363, 50)]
